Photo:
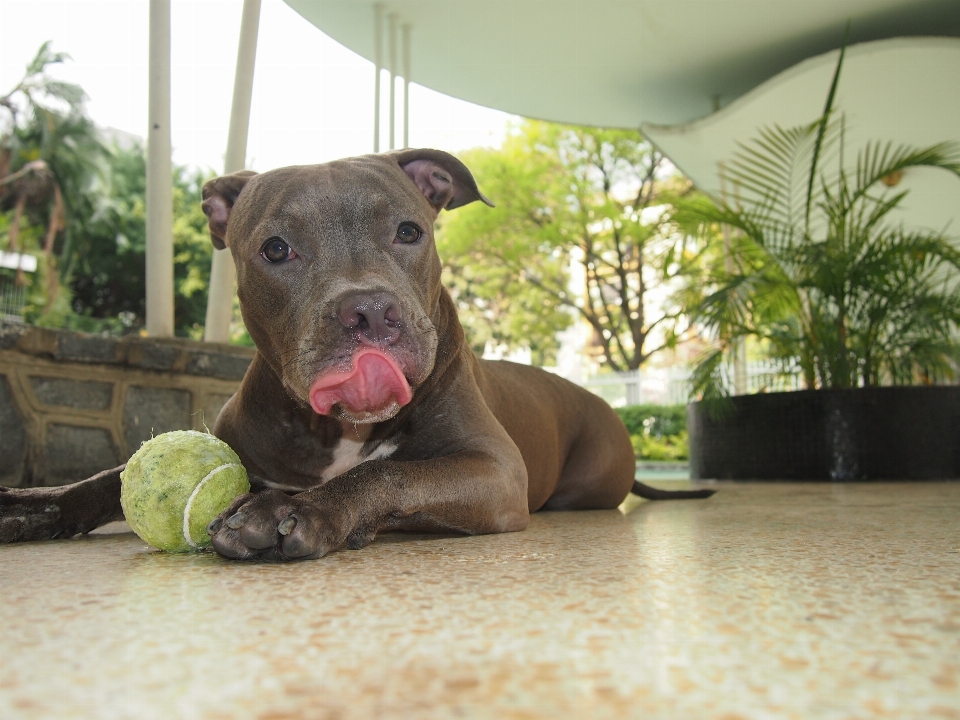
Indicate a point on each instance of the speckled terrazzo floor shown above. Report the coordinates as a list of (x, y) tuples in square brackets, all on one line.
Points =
[(767, 601)]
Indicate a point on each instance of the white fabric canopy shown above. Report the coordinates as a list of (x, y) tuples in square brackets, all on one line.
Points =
[(676, 68), (618, 63), (905, 90)]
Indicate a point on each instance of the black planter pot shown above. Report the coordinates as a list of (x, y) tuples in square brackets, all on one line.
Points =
[(884, 433)]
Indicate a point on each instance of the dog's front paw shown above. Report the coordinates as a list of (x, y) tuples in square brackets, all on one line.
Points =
[(272, 525), (31, 514)]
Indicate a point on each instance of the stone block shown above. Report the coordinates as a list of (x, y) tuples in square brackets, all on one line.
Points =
[(13, 438), (74, 453), (86, 348), (79, 394), (227, 366), (10, 334), (211, 406), (156, 355), (149, 411)]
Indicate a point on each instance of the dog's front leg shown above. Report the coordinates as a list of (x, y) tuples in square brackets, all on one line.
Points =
[(60, 512), (470, 492)]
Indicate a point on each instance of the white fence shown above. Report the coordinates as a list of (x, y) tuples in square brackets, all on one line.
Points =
[(12, 299), (658, 386), (671, 386), (765, 376)]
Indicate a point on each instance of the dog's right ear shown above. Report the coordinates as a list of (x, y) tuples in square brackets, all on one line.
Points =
[(219, 195)]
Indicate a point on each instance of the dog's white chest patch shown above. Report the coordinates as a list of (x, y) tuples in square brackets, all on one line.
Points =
[(347, 455)]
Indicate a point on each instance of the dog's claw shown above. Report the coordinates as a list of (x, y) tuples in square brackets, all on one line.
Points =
[(214, 527), (236, 521), (287, 525)]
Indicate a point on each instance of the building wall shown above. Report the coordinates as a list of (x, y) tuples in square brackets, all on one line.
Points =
[(72, 404)]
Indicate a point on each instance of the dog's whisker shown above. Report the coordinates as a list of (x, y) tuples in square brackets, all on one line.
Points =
[(298, 357)]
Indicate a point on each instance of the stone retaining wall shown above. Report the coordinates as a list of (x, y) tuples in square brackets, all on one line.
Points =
[(72, 404)]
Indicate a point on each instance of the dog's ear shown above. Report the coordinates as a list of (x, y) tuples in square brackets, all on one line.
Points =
[(219, 195), (444, 181)]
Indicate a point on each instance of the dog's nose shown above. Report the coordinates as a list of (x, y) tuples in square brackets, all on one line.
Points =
[(374, 316)]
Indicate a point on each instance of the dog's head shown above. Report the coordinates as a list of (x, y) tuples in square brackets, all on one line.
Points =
[(338, 275)]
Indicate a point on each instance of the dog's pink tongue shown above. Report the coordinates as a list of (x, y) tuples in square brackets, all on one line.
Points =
[(372, 384)]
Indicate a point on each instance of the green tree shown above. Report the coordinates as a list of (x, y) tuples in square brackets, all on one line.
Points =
[(192, 252), (598, 202), (819, 276), (109, 283)]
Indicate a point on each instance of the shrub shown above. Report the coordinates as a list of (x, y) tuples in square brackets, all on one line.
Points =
[(669, 448), (654, 420), (657, 432)]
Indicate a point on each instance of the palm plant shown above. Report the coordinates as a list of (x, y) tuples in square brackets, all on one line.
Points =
[(52, 160), (817, 273)]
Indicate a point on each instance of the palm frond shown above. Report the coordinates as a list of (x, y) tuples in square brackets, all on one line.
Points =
[(822, 127), (880, 160), (45, 56)]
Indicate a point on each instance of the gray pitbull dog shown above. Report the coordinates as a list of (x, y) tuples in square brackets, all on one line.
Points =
[(364, 409)]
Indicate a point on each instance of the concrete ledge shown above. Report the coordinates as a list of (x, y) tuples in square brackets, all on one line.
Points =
[(227, 362), (73, 404)]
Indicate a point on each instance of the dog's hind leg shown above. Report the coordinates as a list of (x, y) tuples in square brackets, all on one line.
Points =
[(60, 512)]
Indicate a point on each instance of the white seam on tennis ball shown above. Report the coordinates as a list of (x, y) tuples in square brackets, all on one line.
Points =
[(186, 509)]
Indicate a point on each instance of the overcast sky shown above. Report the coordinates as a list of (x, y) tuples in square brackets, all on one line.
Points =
[(312, 98)]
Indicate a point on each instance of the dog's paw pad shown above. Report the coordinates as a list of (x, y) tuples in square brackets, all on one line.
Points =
[(273, 526)]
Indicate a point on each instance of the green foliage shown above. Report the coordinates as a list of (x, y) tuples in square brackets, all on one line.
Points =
[(192, 253), (485, 252), (655, 420), (670, 448), (816, 271), (109, 279), (657, 432), (108, 286), (598, 200), (83, 208), (52, 162)]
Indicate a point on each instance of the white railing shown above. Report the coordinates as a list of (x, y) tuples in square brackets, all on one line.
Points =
[(658, 386), (671, 386), (765, 376)]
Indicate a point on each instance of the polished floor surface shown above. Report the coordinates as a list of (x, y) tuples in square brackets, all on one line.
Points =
[(766, 601)]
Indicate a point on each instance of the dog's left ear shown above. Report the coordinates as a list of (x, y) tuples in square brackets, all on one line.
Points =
[(445, 181), (219, 195)]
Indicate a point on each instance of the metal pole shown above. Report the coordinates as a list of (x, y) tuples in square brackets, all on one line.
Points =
[(223, 274), (159, 290), (392, 49), (405, 38), (378, 66)]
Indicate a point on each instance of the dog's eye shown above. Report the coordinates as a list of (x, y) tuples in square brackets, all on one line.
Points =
[(408, 233), (276, 250)]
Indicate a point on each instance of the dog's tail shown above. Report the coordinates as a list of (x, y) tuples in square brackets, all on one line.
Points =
[(652, 493)]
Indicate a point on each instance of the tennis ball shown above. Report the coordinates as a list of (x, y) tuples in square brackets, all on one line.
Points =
[(175, 484)]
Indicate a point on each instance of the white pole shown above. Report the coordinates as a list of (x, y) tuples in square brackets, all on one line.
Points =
[(159, 289), (223, 274), (392, 49), (378, 63), (406, 85)]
